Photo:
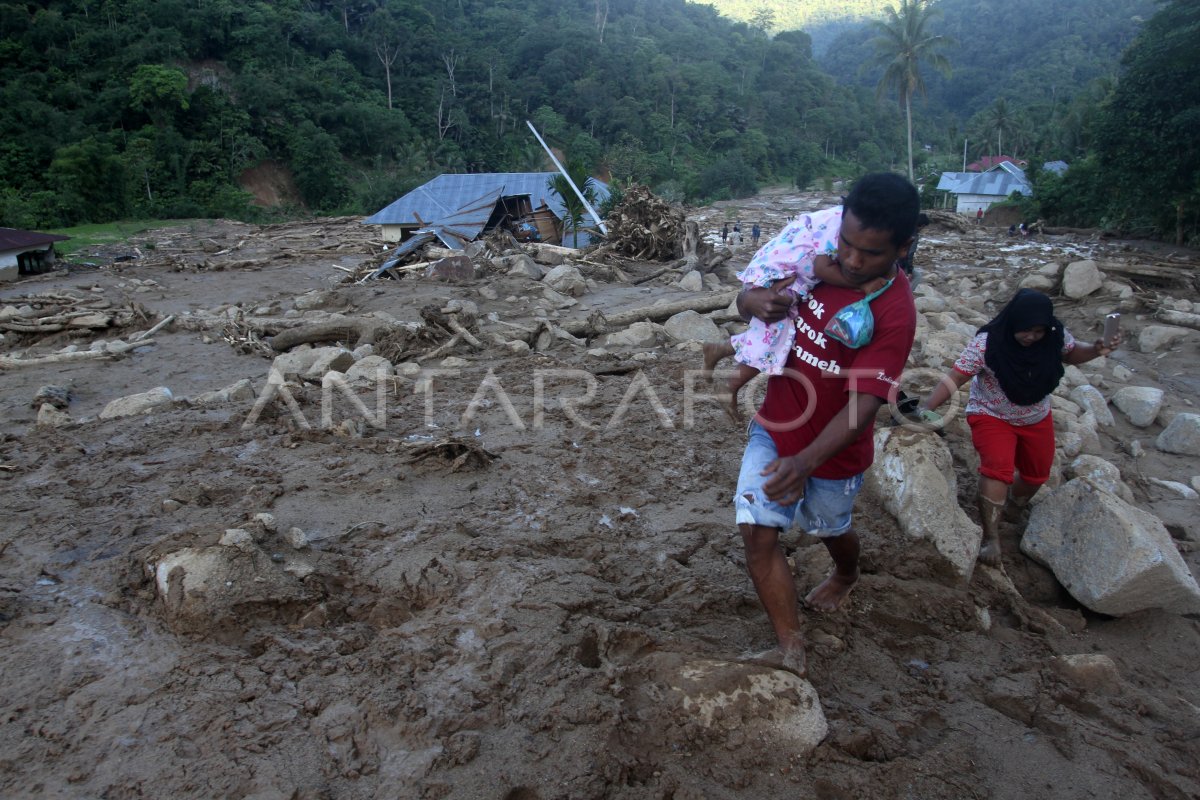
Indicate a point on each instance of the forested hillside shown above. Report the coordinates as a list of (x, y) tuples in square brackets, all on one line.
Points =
[(159, 107), (1030, 51), (156, 107)]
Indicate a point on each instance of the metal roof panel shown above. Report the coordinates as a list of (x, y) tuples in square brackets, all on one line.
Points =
[(449, 192)]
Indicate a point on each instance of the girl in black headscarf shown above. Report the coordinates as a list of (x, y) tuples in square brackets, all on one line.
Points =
[(1015, 361)]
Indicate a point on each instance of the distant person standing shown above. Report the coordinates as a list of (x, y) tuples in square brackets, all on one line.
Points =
[(737, 232), (755, 232), (979, 217), (725, 233)]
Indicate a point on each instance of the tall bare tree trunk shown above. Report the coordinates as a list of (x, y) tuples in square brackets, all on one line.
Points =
[(908, 116), (601, 17)]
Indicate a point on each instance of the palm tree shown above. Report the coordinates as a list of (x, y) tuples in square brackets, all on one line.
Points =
[(574, 208), (998, 118), (904, 41)]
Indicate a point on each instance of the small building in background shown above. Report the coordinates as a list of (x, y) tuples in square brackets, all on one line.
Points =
[(973, 191), (26, 252)]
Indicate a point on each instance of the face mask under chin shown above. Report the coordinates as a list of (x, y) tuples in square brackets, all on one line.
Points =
[(854, 325)]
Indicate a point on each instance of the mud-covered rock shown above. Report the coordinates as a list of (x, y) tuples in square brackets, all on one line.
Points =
[(1112, 557), (913, 478), (141, 403), (207, 590)]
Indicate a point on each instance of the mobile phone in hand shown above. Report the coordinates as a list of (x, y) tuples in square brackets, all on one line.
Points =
[(1112, 324)]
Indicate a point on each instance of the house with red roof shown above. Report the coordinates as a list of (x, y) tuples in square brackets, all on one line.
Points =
[(988, 162)]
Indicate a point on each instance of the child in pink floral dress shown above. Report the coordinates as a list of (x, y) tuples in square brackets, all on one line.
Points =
[(802, 255)]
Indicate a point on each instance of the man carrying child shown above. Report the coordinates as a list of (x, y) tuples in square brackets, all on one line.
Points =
[(811, 441)]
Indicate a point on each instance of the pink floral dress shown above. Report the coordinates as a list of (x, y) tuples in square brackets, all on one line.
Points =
[(765, 347)]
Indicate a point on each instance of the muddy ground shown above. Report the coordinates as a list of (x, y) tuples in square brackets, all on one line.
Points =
[(527, 622)]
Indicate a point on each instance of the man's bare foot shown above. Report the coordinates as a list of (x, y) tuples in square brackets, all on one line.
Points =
[(989, 551), (832, 592), (791, 660)]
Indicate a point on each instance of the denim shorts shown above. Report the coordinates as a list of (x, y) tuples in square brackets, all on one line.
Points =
[(823, 511)]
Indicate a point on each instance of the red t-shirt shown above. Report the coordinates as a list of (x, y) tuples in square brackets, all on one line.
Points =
[(821, 372)]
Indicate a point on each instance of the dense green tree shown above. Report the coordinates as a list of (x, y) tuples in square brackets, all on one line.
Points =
[(1147, 136)]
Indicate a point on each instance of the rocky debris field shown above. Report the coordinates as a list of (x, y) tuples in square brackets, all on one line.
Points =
[(277, 529)]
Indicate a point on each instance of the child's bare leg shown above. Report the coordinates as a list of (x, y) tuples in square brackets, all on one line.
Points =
[(713, 353), (741, 376)]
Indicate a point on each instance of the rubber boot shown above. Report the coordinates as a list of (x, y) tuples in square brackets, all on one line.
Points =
[(989, 518)]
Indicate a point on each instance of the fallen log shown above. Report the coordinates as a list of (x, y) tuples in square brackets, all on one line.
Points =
[(1060, 231), (653, 275), (112, 350), (1182, 318), (702, 304), (266, 326), (362, 331), (147, 334), (1179, 275)]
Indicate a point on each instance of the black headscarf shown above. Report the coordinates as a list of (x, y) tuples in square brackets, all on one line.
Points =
[(1026, 374)]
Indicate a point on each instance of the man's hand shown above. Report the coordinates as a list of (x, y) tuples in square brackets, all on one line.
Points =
[(768, 304), (788, 476)]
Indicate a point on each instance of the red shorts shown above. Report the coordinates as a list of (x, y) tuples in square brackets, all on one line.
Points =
[(1004, 447)]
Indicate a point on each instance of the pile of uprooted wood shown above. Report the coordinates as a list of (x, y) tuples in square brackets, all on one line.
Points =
[(644, 227), (951, 220), (54, 313)]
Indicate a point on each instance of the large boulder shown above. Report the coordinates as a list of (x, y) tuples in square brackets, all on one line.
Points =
[(939, 349), (567, 279), (639, 334), (1041, 283), (520, 265), (327, 359), (721, 699), (1102, 474), (913, 478), (240, 392), (1112, 557), (370, 369), (1081, 279), (690, 326), (551, 254), (1182, 436), (1088, 398), (217, 589), (693, 281), (930, 303), (141, 403), (1154, 338), (50, 417), (1140, 404)]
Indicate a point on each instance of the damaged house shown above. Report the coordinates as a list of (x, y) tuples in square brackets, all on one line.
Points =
[(26, 252), (459, 208)]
